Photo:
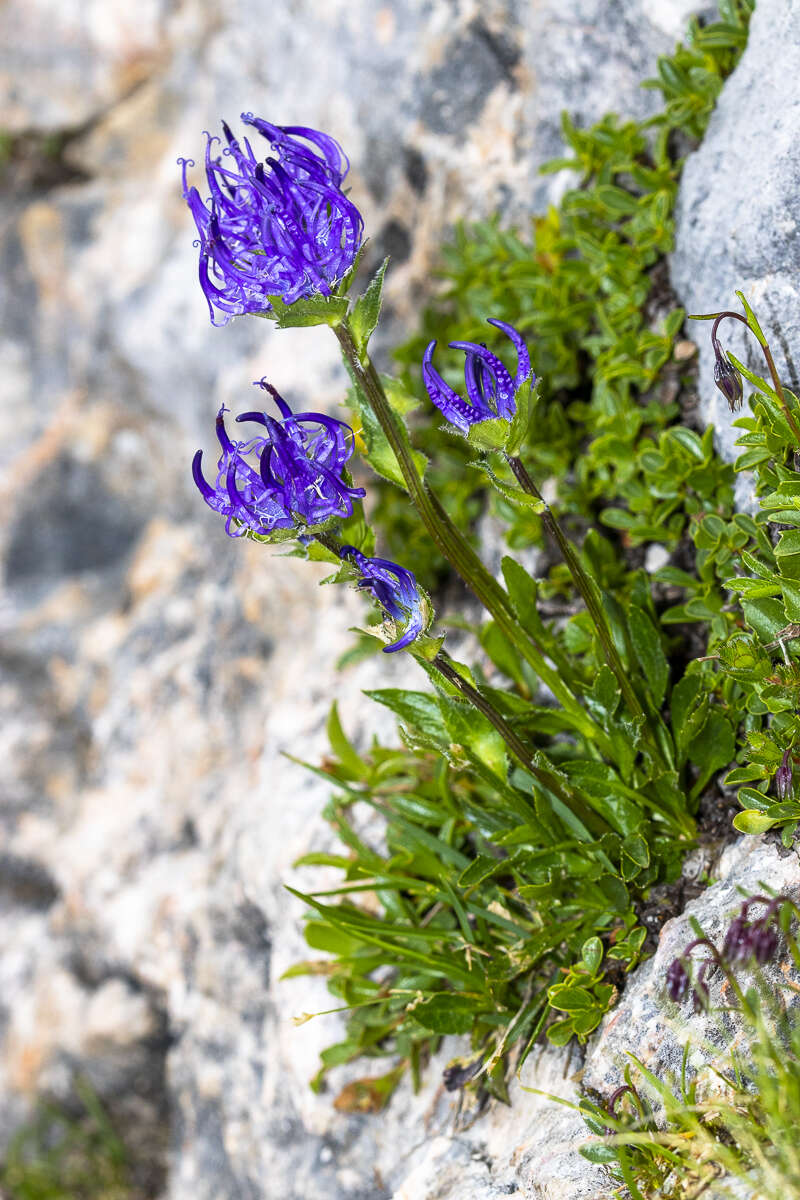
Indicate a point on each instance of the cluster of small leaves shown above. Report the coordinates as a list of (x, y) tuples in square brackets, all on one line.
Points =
[(67, 1154), (760, 659), (587, 286), (473, 922)]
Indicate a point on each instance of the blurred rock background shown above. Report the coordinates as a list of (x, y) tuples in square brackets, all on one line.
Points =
[(152, 672)]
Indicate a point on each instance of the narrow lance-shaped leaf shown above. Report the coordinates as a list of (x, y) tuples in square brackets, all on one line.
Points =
[(366, 311)]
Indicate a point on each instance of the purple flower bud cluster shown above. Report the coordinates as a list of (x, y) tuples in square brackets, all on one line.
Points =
[(395, 589), (281, 227), (746, 940), (298, 477), (489, 385), (756, 940)]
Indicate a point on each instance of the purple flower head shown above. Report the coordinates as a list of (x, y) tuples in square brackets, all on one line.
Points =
[(281, 227), (489, 385), (726, 377), (296, 478), (396, 591)]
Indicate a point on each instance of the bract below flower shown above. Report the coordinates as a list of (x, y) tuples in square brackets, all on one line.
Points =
[(296, 479), (395, 589), (489, 385), (281, 227)]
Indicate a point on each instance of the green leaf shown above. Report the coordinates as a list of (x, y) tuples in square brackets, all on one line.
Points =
[(380, 455), (788, 543), (419, 710), (366, 310), (603, 697), (481, 868), (592, 954), (491, 434), (751, 319), (317, 310), (559, 1033), (650, 653), (636, 848), (342, 747), (401, 400), (526, 400), (570, 999), (752, 821), (522, 590), (689, 708), (712, 748), (598, 1153), (766, 617), (469, 728), (748, 774), (447, 1012), (791, 600), (321, 936), (608, 795), (752, 798)]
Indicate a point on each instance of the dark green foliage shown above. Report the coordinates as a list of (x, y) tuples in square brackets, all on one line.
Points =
[(585, 284), (505, 902)]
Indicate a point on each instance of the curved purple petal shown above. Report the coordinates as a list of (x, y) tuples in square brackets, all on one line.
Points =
[(395, 589), (523, 357), (450, 404), (503, 383), (197, 472)]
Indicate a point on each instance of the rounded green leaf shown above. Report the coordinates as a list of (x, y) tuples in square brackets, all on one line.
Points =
[(752, 821)]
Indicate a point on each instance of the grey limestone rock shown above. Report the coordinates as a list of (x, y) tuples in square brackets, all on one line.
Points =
[(738, 216)]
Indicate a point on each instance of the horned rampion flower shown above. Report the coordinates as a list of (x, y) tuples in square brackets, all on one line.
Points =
[(489, 385), (281, 227), (296, 479), (396, 591)]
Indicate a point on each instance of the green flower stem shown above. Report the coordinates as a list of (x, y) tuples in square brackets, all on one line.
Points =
[(329, 542), (765, 349), (653, 725), (548, 779), (452, 543), (592, 823), (584, 585)]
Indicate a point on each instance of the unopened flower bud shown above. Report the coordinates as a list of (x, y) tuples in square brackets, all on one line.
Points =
[(783, 776), (736, 946), (764, 943), (677, 980), (727, 378)]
